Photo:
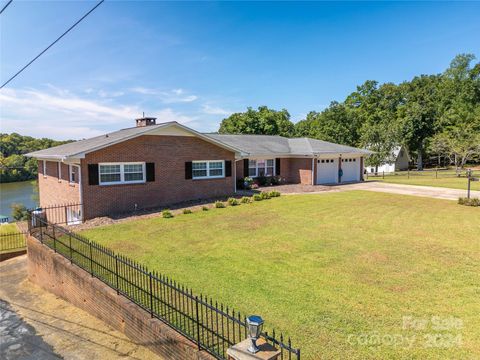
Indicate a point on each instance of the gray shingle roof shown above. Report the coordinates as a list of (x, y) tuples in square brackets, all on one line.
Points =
[(253, 145), (278, 145), (97, 142)]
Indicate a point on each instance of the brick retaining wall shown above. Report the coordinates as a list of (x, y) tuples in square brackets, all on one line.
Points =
[(56, 274)]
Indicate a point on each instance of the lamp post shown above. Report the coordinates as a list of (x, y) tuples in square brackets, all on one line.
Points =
[(254, 327)]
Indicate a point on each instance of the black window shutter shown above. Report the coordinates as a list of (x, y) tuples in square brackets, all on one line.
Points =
[(188, 170), (150, 169), (92, 174), (277, 166), (228, 168), (245, 167)]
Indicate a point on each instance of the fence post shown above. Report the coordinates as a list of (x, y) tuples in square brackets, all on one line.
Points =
[(198, 323), (151, 294), (70, 245), (91, 259), (116, 274), (54, 239), (383, 174)]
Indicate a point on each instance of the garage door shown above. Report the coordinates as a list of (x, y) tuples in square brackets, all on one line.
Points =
[(327, 171), (351, 169)]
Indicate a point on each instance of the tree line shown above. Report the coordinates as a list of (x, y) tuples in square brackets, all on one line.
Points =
[(14, 166), (433, 116)]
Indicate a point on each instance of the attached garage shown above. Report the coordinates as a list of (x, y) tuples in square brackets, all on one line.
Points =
[(327, 171), (351, 169)]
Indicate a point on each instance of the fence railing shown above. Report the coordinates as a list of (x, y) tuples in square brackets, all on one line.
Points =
[(12, 241), (65, 214), (414, 174), (211, 326)]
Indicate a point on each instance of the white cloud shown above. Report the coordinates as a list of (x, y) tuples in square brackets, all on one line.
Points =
[(215, 110), (167, 97), (59, 114)]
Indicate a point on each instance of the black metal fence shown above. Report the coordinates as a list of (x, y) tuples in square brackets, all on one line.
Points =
[(65, 214), (14, 241), (414, 174), (212, 326)]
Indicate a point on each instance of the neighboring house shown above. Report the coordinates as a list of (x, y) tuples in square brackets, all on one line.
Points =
[(153, 165), (399, 161)]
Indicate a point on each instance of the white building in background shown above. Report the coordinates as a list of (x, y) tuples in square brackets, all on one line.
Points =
[(400, 161)]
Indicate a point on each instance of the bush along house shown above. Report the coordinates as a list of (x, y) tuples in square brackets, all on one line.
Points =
[(153, 165)]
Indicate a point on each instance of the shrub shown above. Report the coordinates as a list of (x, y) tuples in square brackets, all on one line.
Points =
[(469, 202), (232, 201), (19, 212), (205, 208), (247, 183), (166, 214), (187, 211), (245, 200), (274, 193), (257, 197), (265, 195), (219, 204)]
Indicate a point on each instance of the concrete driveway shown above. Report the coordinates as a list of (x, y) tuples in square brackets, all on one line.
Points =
[(424, 191), (36, 324)]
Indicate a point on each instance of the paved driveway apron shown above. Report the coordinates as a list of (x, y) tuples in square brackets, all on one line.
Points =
[(19, 340)]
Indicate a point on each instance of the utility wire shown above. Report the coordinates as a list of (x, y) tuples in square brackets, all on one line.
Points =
[(6, 5), (53, 43)]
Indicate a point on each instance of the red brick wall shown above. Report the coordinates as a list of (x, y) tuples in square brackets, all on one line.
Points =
[(299, 171), (169, 153), (293, 170), (54, 273), (55, 191)]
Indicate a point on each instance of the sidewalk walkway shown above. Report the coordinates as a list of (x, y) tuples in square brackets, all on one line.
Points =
[(55, 328)]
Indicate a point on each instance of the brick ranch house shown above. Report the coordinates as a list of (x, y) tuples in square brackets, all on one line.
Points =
[(152, 165)]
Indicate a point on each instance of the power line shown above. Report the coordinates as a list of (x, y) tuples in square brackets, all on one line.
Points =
[(53, 43), (6, 5)]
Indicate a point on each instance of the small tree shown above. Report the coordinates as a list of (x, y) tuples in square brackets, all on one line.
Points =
[(19, 212)]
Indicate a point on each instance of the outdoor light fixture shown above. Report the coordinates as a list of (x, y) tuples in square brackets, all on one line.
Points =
[(254, 326)]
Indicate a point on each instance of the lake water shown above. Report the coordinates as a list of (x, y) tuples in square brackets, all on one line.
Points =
[(23, 192)]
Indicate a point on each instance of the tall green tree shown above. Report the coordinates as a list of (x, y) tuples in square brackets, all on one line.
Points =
[(13, 165), (262, 121), (338, 123), (418, 115)]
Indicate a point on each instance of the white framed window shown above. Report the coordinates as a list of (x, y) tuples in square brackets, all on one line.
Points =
[(73, 174), (261, 167), (44, 163), (208, 169), (121, 173), (59, 170), (252, 168)]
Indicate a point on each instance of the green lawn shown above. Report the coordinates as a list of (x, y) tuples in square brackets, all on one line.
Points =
[(446, 179), (13, 242), (328, 268)]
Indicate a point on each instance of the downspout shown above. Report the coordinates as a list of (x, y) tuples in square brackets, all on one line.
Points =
[(80, 187), (235, 176), (313, 165)]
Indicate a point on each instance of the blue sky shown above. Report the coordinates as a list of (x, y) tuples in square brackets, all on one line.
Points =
[(199, 62)]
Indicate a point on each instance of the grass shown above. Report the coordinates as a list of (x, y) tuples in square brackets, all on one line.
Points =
[(10, 243), (446, 179), (327, 268)]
